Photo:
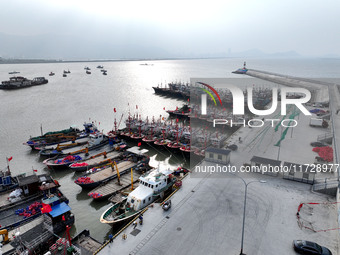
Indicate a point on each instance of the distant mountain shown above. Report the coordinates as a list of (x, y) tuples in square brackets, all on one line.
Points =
[(331, 56), (256, 53)]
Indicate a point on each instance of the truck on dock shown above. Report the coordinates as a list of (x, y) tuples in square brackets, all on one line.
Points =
[(318, 123)]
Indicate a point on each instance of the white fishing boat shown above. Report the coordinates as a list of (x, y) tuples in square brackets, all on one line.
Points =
[(152, 185)]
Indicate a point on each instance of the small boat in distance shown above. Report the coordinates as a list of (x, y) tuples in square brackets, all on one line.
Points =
[(100, 66), (51, 74), (87, 68), (68, 71), (105, 73), (64, 75), (88, 72), (14, 72)]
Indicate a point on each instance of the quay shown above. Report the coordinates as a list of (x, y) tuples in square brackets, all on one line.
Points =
[(206, 213), (321, 91)]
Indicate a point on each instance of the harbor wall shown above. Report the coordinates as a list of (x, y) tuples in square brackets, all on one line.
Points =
[(338, 206)]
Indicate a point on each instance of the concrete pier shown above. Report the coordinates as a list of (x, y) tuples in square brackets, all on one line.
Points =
[(321, 92)]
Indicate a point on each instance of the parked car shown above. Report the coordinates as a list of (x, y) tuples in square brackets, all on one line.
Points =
[(318, 144), (307, 247), (232, 147)]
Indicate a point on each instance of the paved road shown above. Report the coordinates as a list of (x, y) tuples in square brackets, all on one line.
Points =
[(206, 218)]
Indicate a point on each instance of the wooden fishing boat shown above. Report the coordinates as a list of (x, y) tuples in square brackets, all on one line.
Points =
[(61, 136), (109, 172), (63, 162), (97, 160), (97, 140)]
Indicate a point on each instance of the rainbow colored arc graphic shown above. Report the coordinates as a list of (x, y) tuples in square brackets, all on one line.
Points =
[(209, 93)]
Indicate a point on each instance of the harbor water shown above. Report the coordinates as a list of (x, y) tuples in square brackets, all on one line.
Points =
[(82, 97)]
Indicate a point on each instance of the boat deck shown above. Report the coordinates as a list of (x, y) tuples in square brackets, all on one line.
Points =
[(86, 244), (106, 173), (112, 187), (97, 160), (8, 216), (80, 140), (120, 196), (22, 229)]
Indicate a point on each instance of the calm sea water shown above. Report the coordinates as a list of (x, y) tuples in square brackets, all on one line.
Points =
[(65, 101)]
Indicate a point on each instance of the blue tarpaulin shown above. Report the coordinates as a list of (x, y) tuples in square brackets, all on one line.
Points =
[(59, 209)]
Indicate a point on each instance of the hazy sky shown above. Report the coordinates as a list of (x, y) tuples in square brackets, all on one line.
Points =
[(309, 27)]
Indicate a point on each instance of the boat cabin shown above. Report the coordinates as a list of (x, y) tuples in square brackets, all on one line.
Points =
[(33, 184), (151, 185), (96, 138)]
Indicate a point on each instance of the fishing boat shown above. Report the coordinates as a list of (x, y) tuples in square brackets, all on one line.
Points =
[(60, 150), (62, 136), (161, 142), (97, 140), (88, 72), (106, 173), (183, 112), (7, 182), (39, 81), (152, 186), (25, 203), (186, 149), (97, 160), (28, 187), (36, 235), (114, 187), (100, 67), (16, 82), (150, 138), (14, 72), (63, 162), (51, 74), (68, 71)]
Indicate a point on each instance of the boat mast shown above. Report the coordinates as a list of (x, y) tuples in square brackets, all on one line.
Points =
[(131, 179)]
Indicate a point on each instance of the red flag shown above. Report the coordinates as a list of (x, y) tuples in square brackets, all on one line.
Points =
[(114, 109), (136, 106), (188, 100), (35, 170), (99, 123), (9, 159), (176, 120), (176, 108), (63, 218), (139, 144), (46, 208), (163, 108)]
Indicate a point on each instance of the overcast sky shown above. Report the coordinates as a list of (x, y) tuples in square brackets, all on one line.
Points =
[(179, 27)]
